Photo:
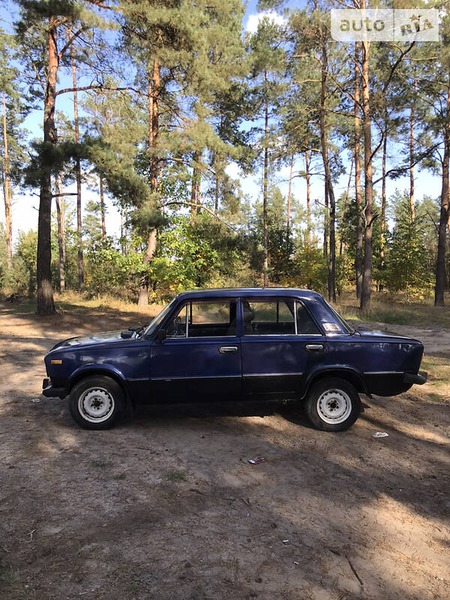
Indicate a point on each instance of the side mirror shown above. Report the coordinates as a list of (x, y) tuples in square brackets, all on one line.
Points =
[(161, 335)]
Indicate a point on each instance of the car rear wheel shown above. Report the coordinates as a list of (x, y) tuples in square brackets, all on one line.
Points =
[(332, 404), (96, 402)]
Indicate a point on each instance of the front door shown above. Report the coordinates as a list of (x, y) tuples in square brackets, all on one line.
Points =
[(200, 359)]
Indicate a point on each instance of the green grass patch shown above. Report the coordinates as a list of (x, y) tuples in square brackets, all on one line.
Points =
[(394, 310), (438, 365), (75, 303), (176, 476), (438, 369), (9, 576), (101, 464)]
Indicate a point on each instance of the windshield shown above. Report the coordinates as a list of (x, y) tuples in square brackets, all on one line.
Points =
[(157, 320)]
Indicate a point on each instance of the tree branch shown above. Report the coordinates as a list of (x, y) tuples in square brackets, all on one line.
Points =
[(70, 42), (202, 207), (99, 87)]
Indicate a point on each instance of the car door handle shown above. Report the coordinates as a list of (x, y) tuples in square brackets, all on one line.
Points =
[(228, 349), (314, 347)]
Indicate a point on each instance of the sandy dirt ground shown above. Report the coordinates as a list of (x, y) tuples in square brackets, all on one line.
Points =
[(168, 506)]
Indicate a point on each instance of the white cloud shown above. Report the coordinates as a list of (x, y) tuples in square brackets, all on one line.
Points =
[(253, 20)]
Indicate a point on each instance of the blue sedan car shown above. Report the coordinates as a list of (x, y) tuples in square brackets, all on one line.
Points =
[(234, 345)]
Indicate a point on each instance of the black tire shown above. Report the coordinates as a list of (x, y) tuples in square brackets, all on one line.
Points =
[(332, 404), (96, 402)]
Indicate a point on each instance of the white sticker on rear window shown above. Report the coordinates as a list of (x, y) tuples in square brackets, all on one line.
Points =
[(331, 327)]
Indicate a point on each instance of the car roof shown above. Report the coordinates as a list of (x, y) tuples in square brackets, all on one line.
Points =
[(251, 292)]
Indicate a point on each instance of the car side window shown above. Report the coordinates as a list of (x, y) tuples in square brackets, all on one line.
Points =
[(268, 317), (277, 316), (204, 319), (305, 323)]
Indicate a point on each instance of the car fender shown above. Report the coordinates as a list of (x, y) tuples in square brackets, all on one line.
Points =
[(98, 369), (346, 372)]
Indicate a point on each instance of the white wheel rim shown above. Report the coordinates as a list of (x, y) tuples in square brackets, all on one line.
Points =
[(96, 405), (334, 406)]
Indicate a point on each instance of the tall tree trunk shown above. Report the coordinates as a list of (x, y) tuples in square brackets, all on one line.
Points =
[(439, 290), (326, 222), (342, 242), (266, 192), (358, 192), (102, 207), (289, 198), (154, 126), (80, 258), (368, 180), (153, 129), (60, 217), (45, 300), (215, 167), (308, 198), (196, 183), (383, 227), (329, 191), (412, 119), (123, 233), (7, 189)]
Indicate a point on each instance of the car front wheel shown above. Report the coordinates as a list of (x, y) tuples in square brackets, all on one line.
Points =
[(96, 402), (332, 404)]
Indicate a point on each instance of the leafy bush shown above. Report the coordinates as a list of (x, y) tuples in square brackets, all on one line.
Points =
[(194, 252), (108, 271)]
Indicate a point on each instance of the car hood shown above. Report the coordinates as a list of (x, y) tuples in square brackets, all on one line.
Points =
[(89, 340)]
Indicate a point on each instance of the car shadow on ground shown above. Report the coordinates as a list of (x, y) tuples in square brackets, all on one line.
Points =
[(202, 410)]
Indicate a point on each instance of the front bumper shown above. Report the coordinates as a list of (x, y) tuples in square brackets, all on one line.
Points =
[(418, 379), (52, 392)]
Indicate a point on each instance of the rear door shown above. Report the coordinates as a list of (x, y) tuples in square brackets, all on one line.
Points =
[(279, 341), (200, 359)]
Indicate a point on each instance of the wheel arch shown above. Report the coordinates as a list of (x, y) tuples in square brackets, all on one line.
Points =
[(95, 370), (348, 374)]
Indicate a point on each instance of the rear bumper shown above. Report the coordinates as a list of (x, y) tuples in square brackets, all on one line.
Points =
[(418, 379), (52, 392)]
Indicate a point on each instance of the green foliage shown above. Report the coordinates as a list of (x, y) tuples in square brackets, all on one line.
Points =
[(283, 266), (409, 265), (108, 271), (3, 261), (194, 253), (92, 225), (15, 107), (147, 217), (312, 268), (21, 279), (123, 181), (281, 248)]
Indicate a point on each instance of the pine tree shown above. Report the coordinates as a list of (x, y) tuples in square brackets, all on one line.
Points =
[(43, 31), (190, 53), (408, 265), (268, 57), (315, 76), (12, 154)]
